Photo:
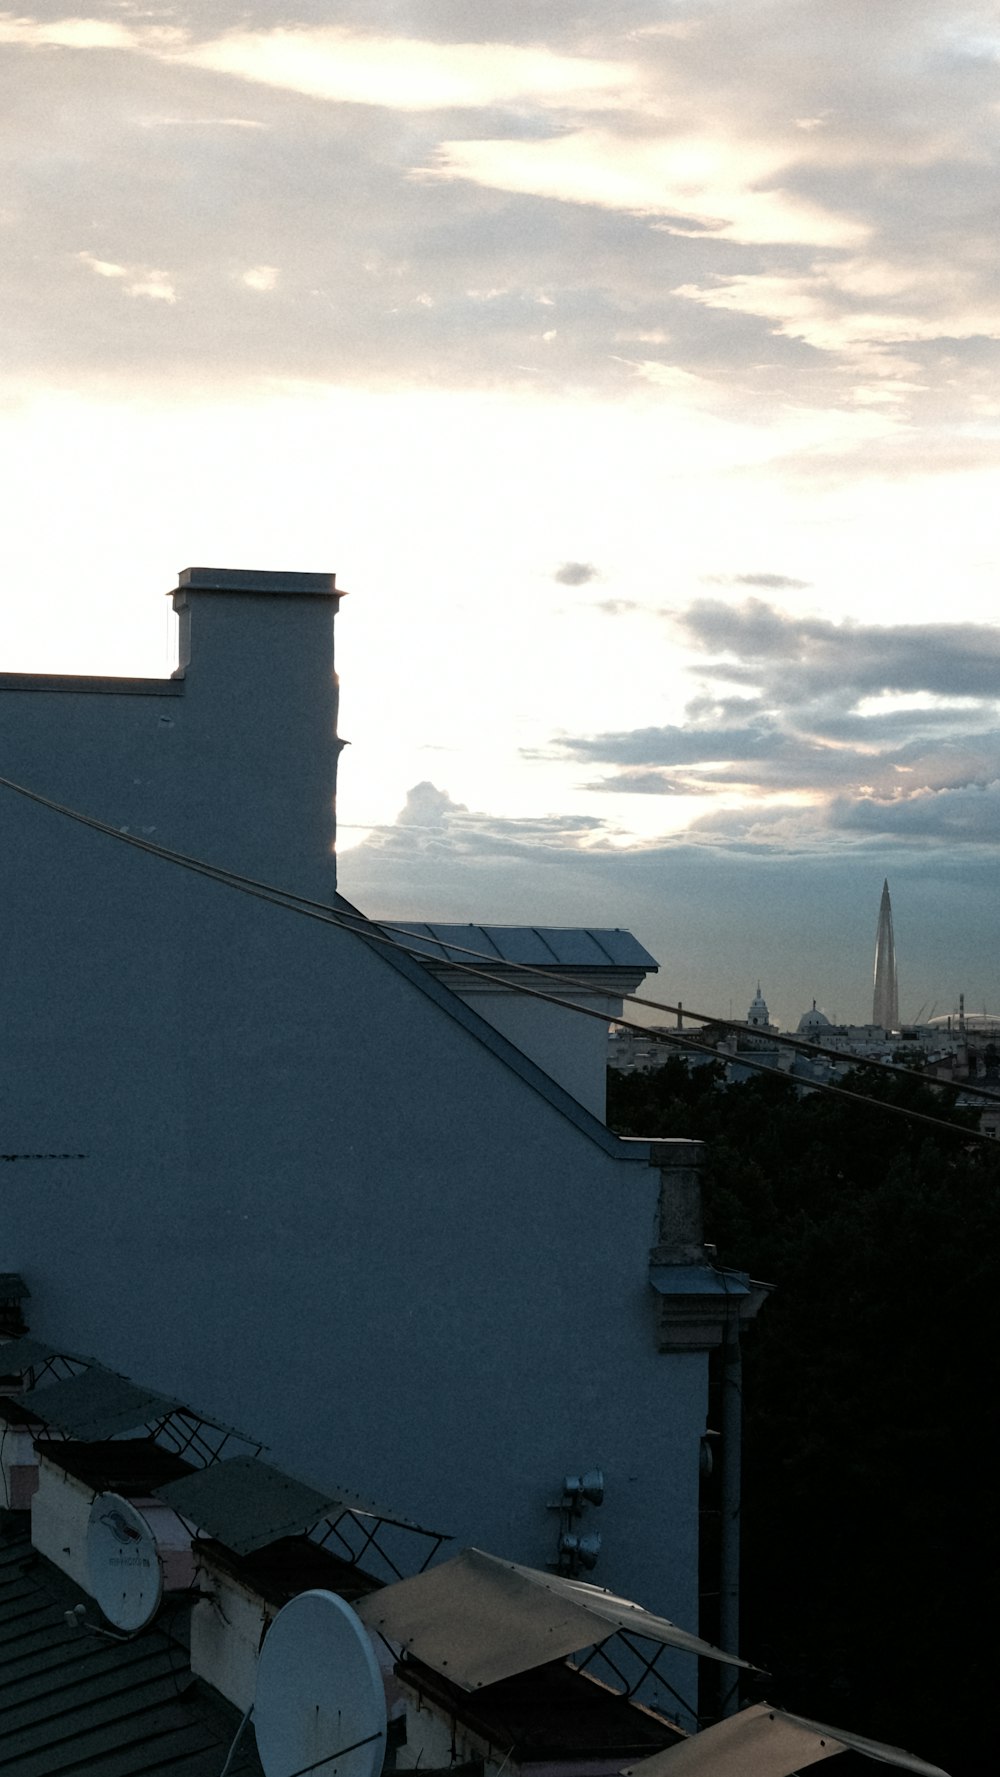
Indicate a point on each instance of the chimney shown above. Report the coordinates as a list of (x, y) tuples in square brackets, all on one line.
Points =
[(259, 719)]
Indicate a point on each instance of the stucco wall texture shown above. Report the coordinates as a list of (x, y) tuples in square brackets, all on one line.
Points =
[(423, 1279)]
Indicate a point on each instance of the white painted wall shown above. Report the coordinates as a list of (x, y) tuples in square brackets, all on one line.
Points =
[(426, 1281), (60, 1513), (226, 1632), (572, 1049)]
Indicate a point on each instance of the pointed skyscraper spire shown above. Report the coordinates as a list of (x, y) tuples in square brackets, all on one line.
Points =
[(885, 1005)]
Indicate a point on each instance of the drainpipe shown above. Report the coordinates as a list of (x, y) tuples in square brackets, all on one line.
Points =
[(699, 1308), (731, 1456)]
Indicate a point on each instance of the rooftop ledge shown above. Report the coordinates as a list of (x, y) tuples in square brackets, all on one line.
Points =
[(90, 682), (257, 580)]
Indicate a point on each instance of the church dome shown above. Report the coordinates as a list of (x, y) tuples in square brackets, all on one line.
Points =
[(758, 1013), (813, 1020)]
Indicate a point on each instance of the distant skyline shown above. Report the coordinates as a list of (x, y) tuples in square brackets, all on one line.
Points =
[(635, 370)]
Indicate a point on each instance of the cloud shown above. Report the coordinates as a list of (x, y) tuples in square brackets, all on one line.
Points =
[(802, 657), (428, 807), (689, 184), (407, 73), (675, 745), (135, 280), (653, 188), (771, 582), (646, 783), (576, 573), (966, 815), (851, 728), (261, 277), (431, 822)]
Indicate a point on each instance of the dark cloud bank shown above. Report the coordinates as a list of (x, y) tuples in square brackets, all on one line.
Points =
[(808, 719)]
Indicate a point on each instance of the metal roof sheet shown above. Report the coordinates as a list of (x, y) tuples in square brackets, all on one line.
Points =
[(697, 1280), (95, 1405), (766, 1742), (543, 947), (477, 1619), (245, 1503), (76, 1702), (17, 1355)]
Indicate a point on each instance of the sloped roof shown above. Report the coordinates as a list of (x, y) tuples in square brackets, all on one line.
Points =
[(573, 948), (766, 1742), (75, 1701), (427, 982), (245, 1504), (477, 1619)]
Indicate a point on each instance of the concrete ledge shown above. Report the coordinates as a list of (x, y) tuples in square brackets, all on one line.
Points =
[(86, 684), (259, 580)]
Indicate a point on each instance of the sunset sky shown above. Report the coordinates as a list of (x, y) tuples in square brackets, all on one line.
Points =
[(633, 365)]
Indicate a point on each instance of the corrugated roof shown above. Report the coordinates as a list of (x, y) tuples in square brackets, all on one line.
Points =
[(477, 1620), (95, 1405), (73, 1701), (766, 1742), (542, 947)]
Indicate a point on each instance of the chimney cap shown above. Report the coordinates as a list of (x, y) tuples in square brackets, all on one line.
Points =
[(257, 580)]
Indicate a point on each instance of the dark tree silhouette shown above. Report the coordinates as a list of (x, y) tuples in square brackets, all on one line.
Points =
[(871, 1378)]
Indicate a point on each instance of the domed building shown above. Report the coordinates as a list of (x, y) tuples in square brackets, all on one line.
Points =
[(813, 1023), (758, 1016)]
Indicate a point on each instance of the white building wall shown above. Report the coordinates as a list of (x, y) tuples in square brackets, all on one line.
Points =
[(571, 1048), (60, 1514), (426, 1281)]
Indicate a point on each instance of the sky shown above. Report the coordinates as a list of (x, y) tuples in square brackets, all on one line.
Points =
[(634, 368)]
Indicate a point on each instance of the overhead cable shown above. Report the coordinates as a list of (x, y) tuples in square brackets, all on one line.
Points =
[(374, 932)]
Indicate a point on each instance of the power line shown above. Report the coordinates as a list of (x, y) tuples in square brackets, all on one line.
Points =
[(373, 932), (800, 1044)]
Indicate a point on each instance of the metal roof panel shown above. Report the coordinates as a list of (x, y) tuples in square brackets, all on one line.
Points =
[(22, 1354), (476, 1619), (542, 947), (766, 1742), (95, 1405), (698, 1280), (245, 1504)]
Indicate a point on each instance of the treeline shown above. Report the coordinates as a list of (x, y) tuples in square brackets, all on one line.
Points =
[(871, 1381)]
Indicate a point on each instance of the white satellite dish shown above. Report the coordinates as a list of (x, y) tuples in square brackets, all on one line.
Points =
[(319, 1703), (123, 1565)]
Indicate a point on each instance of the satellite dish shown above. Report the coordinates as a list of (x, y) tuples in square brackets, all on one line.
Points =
[(319, 1703), (123, 1565)]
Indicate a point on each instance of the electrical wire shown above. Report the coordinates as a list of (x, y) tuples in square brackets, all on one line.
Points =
[(373, 932), (368, 928), (227, 1767), (782, 1038)]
